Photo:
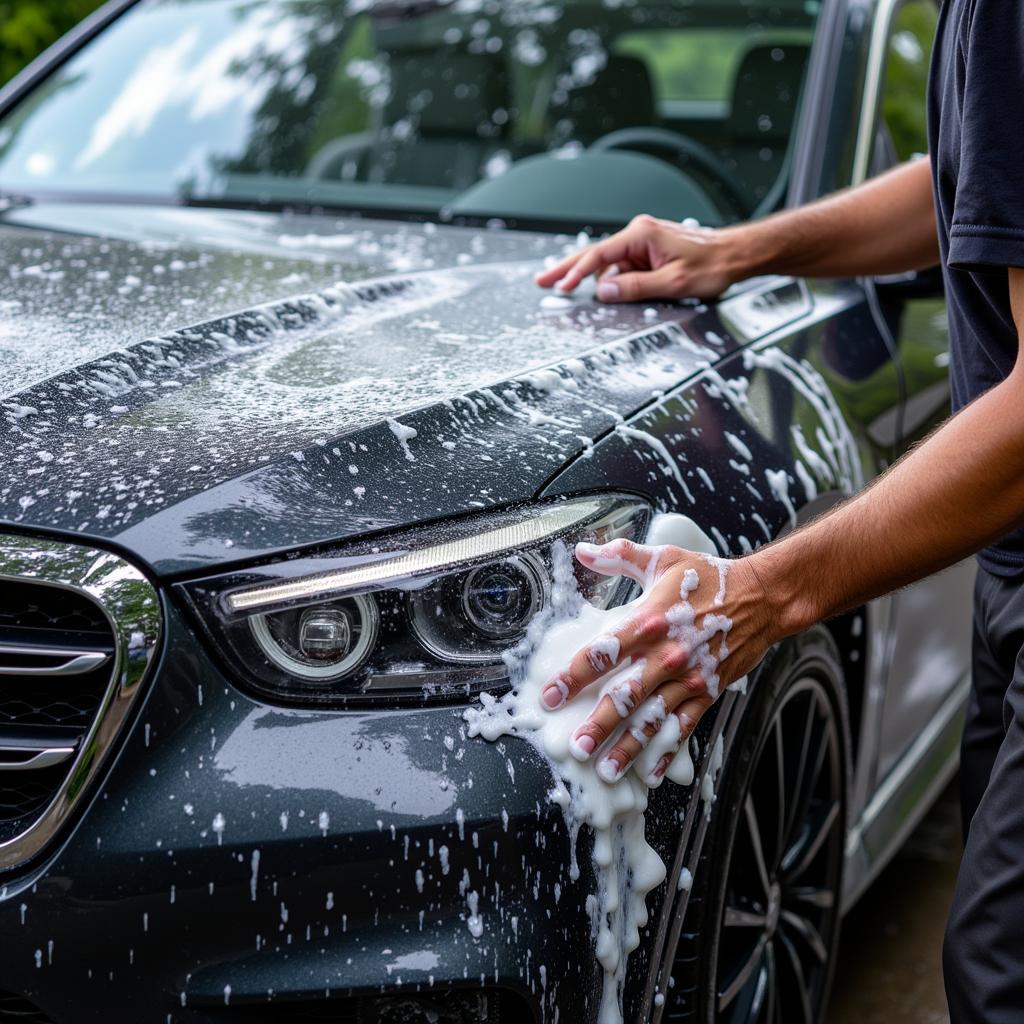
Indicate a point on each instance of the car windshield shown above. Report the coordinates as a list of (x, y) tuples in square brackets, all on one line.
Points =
[(526, 110)]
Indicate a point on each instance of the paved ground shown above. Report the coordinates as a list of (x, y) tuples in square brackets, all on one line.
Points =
[(889, 958)]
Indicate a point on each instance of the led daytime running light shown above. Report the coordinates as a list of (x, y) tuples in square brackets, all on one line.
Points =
[(547, 523)]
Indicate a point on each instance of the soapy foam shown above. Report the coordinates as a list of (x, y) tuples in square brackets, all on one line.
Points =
[(668, 460), (604, 652), (778, 483), (589, 791), (833, 435)]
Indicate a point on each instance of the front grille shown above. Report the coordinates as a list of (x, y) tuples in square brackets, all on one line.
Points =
[(16, 1010), (77, 630), (68, 703), (38, 607), (57, 653), (24, 794)]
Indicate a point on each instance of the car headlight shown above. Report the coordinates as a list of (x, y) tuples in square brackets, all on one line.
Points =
[(426, 613)]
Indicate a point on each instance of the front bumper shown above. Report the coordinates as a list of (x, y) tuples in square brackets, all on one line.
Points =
[(239, 862)]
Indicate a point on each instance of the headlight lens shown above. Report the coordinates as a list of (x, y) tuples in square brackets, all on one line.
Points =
[(428, 613), (478, 614), (321, 643)]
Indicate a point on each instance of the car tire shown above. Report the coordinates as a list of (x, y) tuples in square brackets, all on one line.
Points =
[(759, 946)]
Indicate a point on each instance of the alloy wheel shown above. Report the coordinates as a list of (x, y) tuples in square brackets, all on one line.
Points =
[(778, 920)]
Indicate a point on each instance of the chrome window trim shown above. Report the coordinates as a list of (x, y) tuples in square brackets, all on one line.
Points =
[(877, 59), (871, 96), (816, 106), (132, 608)]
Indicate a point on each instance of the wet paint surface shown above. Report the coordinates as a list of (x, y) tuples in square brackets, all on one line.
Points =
[(380, 846)]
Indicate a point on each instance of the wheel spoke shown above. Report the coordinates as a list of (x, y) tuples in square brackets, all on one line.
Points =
[(743, 975), (805, 747), (780, 767), (803, 852), (754, 830), (771, 987), (736, 918), (822, 899), (807, 782), (807, 932), (792, 959), (779, 919)]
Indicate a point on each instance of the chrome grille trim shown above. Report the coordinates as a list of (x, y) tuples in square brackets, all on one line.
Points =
[(79, 661), (41, 757), (132, 608)]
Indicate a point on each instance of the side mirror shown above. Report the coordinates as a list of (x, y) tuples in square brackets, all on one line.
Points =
[(921, 284)]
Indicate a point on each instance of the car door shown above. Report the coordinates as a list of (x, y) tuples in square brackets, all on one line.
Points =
[(930, 644)]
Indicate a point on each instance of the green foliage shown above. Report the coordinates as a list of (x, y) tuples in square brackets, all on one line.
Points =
[(27, 27), (906, 77)]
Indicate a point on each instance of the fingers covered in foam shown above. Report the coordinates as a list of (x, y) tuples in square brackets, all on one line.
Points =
[(664, 721), (672, 758), (628, 699), (639, 562), (605, 653)]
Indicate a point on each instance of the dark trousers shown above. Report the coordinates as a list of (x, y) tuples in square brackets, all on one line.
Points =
[(983, 956)]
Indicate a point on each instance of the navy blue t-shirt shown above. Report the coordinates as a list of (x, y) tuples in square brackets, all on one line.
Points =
[(976, 139)]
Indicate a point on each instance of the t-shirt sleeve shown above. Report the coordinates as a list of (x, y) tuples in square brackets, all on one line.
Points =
[(988, 211)]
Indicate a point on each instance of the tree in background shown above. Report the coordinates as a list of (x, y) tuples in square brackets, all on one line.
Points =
[(27, 27)]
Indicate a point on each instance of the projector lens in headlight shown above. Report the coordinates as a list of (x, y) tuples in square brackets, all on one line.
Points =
[(425, 613), (320, 643), (500, 599), (478, 614)]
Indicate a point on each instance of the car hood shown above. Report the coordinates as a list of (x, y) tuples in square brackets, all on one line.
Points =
[(203, 387)]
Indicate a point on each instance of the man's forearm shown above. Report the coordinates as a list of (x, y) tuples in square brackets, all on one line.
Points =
[(958, 491), (885, 226)]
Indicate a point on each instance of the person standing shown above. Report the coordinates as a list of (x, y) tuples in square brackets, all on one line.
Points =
[(960, 492)]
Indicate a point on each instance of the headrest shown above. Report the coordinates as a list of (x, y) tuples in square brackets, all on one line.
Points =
[(619, 95), (766, 91), (449, 94)]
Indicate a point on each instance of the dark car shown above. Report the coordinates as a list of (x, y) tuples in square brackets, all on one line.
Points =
[(292, 448)]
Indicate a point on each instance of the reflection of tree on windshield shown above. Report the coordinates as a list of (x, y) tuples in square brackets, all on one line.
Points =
[(906, 77), (299, 87), (50, 88)]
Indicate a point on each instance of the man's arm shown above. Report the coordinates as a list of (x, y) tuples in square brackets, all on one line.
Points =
[(885, 226), (959, 490)]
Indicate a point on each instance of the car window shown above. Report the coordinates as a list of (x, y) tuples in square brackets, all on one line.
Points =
[(905, 86), (917, 323), (394, 105)]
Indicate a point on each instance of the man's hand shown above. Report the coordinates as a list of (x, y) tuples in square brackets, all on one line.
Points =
[(652, 259), (885, 226), (703, 624)]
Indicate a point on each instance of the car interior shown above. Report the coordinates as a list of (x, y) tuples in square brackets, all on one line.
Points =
[(458, 115)]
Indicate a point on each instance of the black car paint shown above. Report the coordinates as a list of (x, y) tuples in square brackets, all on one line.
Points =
[(134, 841), (226, 485)]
